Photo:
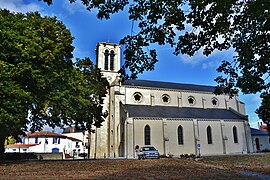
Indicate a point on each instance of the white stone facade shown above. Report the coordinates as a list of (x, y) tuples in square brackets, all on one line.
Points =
[(47, 142), (125, 127)]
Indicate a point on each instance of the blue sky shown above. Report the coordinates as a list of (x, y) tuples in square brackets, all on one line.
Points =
[(88, 31)]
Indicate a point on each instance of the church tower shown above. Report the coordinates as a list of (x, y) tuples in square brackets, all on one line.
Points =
[(108, 59)]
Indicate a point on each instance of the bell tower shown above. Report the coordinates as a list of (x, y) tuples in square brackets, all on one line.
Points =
[(108, 59)]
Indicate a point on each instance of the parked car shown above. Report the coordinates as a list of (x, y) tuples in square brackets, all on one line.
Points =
[(148, 152)]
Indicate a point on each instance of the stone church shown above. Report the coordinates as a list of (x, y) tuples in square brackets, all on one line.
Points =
[(174, 118)]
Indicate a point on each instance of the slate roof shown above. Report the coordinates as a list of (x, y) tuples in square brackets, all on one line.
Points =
[(142, 111), (258, 132), (169, 85)]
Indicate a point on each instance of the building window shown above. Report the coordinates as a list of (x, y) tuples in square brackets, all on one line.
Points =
[(191, 100), (137, 97), (180, 135), (106, 63), (165, 98), (112, 60), (235, 137), (209, 135), (56, 140), (147, 137), (36, 140), (23, 140), (215, 102)]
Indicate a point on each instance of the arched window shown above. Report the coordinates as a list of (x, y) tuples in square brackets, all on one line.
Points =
[(180, 135), (209, 135), (106, 63), (147, 137), (235, 138), (112, 60)]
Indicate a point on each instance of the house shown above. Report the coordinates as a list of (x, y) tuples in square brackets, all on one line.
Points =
[(73, 132), (260, 140), (176, 118), (47, 142)]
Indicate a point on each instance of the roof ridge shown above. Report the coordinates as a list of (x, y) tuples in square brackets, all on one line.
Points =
[(169, 85), (239, 114)]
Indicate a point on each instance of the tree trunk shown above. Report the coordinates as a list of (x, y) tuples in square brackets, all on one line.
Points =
[(2, 145)]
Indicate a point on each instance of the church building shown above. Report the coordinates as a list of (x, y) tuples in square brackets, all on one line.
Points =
[(174, 118)]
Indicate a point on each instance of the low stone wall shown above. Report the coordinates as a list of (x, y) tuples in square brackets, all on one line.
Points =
[(32, 156), (50, 156)]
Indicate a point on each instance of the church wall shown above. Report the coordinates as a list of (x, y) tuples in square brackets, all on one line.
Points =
[(145, 93), (173, 97), (180, 99), (157, 138), (99, 145), (232, 147), (188, 146), (216, 147), (242, 109), (129, 138)]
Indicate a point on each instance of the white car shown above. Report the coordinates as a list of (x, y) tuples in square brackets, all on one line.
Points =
[(148, 152)]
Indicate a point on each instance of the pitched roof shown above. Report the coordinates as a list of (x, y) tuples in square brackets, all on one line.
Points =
[(45, 133), (258, 132), (73, 139), (21, 145), (169, 85), (71, 130), (142, 111)]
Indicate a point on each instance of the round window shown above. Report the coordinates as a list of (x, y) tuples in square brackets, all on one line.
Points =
[(214, 101), (137, 97), (165, 98), (191, 100)]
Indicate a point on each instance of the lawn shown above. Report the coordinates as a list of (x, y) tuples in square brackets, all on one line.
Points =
[(219, 167), (258, 163)]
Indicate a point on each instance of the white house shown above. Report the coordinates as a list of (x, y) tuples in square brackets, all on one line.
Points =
[(47, 142), (175, 118), (260, 140)]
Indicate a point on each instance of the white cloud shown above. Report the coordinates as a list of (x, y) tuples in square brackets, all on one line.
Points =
[(19, 6), (211, 61), (77, 6), (256, 99)]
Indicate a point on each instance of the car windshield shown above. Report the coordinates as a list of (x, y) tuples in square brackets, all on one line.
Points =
[(148, 149)]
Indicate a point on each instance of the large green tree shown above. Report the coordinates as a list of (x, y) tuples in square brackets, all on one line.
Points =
[(39, 83), (243, 25)]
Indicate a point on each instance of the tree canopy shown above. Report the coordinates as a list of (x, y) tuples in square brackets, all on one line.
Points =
[(39, 83), (216, 25)]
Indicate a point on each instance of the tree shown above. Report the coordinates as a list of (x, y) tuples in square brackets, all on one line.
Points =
[(39, 83), (216, 25)]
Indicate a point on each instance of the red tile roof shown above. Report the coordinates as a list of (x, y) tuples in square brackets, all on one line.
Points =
[(263, 127), (74, 139), (45, 133), (21, 145)]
